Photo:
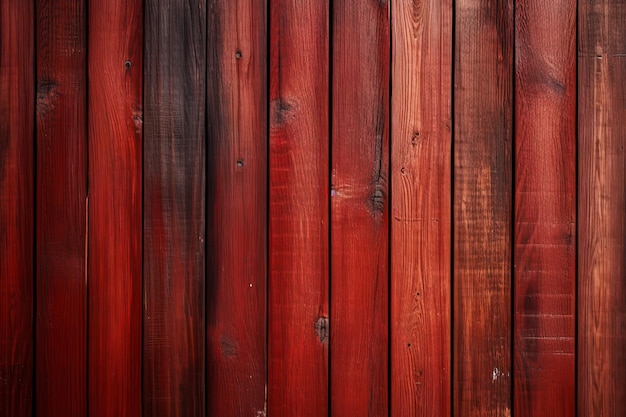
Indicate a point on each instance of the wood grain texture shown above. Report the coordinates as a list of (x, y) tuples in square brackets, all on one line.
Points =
[(237, 208), (61, 224), (421, 208), (545, 208), (17, 217), (483, 110), (174, 208), (299, 209), (115, 227), (602, 208), (360, 208)]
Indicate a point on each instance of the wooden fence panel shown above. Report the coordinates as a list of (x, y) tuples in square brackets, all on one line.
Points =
[(174, 208), (360, 208), (61, 209), (483, 93), (545, 208), (237, 208), (421, 209), (299, 209), (602, 208), (115, 207), (17, 129)]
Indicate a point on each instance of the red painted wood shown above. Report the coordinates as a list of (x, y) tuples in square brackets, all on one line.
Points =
[(421, 208), (61, 225), (545, 208), (602, 208), (115, 228), (174, 208), (17, 121), (483, 113), (237, 208), (360, 208), (299, 209)]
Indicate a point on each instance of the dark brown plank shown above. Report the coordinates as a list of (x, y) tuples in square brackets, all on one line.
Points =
[(360, 208), (483, 90), (421, 208), (17, 121), (602, 208), (115, 154), (237, 208), (174, 208), (61, 231), (545, 208), (299, 210)]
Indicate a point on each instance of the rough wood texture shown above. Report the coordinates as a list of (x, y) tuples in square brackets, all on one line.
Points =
[(545, 208), (115, 228), (421, 208), (360, 208), (237, 208), (299, 209), (174, 208), (61, 225), (482, 207), (17, 122), (602, 208)]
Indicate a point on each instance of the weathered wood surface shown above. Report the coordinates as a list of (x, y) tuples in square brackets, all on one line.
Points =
[(299, 192), (483, 123), (115, 207), (174, 154), (545, 209), (17, 182), (61, 209), (237, 91), (421, 208), (601, 208), (360, 208)]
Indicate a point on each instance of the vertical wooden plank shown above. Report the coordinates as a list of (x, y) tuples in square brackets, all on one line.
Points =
[(483, 107), (61, 231), (114, 246), (174, 208), (602, 208), (421, 208), (360, 208), (545, 208), (299, 209), (17, 121), (237, 208)]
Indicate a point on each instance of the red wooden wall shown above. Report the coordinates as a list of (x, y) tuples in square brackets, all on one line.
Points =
[(298, 208)]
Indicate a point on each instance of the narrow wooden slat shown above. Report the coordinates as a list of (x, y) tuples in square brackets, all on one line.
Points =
[(174, 208), (61, 225), (299, 210), (360, 208), (545, 208), (237, 208), (114, 246), (17, 121), (602, 208), (421, 208), (483, 90)]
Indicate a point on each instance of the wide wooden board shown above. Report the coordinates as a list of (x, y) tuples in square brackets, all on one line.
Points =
[(174, 171), (360, 208), (17, 217), (421, 208), (237, 208), (545, 208), (298, 333), (61, 209), (601, 208), (483, 123), (115, 229)]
